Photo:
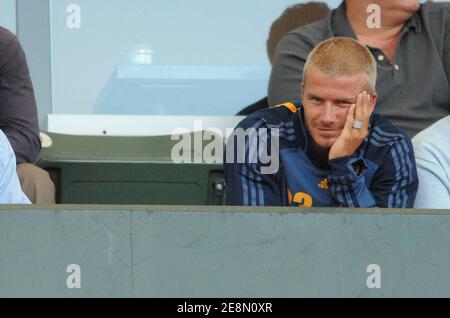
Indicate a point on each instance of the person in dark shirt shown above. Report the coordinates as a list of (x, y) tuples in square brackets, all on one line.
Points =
[(18, 119), (329, 151), (292, 18), (411, 47)]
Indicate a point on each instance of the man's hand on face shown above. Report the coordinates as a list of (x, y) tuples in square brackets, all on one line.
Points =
[(356, 128)]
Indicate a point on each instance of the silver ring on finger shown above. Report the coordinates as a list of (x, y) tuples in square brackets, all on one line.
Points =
[(358, 124)]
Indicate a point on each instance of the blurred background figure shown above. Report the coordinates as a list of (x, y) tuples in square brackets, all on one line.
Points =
[(410, 45), (19, 119), (292, 18), (432, 147)]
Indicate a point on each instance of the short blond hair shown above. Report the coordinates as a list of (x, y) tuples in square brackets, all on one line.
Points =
[(343, 56)]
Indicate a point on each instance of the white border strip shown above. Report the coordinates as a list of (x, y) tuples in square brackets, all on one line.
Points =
[(105, 125)]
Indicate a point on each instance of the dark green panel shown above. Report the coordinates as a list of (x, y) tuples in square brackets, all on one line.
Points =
[(128, 170)]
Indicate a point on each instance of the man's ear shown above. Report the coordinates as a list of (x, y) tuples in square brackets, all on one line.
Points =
[(302, 89), (373, 100)]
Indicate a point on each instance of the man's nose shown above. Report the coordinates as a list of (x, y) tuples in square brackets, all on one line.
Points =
[(327, 115)]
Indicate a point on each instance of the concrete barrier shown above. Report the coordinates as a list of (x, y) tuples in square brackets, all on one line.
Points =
[(162, 251)]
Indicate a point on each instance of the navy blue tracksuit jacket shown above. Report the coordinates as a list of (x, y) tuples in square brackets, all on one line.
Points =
[(382, 173)]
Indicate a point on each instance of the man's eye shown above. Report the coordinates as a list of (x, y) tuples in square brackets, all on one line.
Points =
[(315, 99)]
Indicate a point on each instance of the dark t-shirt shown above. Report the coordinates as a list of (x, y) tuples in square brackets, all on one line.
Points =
[(18, 111), (414, 92)]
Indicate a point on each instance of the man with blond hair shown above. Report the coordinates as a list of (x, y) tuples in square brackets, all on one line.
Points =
[(333, 151)]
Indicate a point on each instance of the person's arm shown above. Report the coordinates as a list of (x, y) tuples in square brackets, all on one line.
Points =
[(434, 187), (18, 112), (347, 183), (10, 189), (287, 69), (247, 182), (394, 185)]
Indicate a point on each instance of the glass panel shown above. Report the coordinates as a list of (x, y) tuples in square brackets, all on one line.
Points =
[(155, 57), (8, 14)]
